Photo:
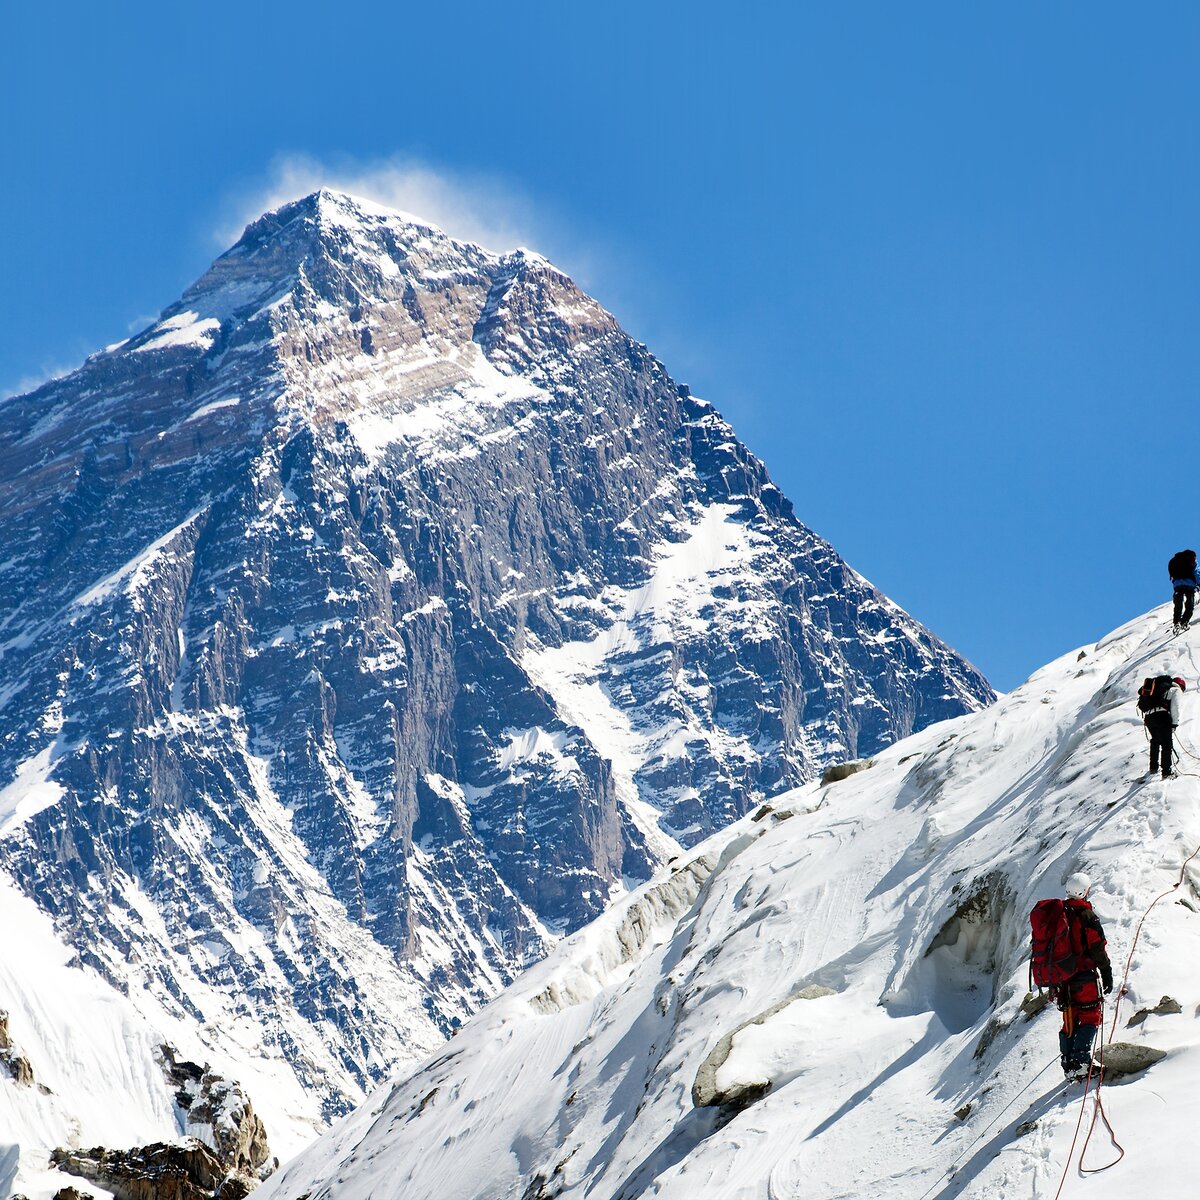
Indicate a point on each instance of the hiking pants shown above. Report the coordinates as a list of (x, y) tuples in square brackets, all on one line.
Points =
[(1159, 726), (1076, 1047), (1185, 600)]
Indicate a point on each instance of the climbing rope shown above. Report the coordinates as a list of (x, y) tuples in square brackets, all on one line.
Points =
[(1078, 1125), (1191, 754), (1137, 933), (1177, 745), (1098, 1110), (954, 1165)]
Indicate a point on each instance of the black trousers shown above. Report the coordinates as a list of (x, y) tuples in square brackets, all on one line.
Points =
[(1185, 601), (1159, 726), (1075, 1047)]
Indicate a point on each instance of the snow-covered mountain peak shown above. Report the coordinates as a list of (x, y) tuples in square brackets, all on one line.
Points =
[(337, 223), (379, 320), (334, 247), (346, 249), (374, 620)]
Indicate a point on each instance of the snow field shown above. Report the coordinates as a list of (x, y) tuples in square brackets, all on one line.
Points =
[(906, 890), (679, 602)]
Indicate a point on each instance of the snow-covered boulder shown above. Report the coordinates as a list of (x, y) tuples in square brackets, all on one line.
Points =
[(745, 1064)]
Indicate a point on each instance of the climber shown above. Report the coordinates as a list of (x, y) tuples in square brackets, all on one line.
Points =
[(1185, 578), (1158, 702), (1079, 997)]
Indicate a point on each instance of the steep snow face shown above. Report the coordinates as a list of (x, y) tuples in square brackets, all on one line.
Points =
[(376, 618), (848, 965)]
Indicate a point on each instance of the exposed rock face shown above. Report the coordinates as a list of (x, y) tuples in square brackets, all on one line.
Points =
[(225, 1156), (370, 616), (220, 1114), (160, 1171), (11, 1059)]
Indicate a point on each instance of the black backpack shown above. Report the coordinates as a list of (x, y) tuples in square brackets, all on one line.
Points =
[(1182, 565), (1152, 695)]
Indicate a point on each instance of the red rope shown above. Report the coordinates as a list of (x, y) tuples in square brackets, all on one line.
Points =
[(1098, 1109), (1138, 933), (1075, 1138)]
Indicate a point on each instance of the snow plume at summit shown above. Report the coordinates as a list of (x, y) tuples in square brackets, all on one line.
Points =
[(372, 620), (479, 209)]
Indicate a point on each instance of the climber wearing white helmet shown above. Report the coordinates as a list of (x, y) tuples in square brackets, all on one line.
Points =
[(1079, 997)]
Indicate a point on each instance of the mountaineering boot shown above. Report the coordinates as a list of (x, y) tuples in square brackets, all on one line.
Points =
[(1170, 775)]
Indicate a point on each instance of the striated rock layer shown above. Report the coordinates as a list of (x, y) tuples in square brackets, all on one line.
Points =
[(371, 619)]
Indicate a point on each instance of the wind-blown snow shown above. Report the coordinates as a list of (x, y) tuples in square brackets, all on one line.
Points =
[(905, 889)]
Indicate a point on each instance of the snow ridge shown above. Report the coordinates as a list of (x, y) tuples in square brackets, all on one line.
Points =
[(862, 953)]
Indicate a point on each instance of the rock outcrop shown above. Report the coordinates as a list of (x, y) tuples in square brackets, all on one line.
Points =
[(840, 771), (1168, 1006), (219, 1113), (160, 1171), (1128, 1058), (224, 1157), (11, 1059)]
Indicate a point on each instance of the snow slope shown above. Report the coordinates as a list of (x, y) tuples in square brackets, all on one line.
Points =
[(905, 891)]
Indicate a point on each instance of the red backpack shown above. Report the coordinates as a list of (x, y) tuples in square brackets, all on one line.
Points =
[(1055, 954)]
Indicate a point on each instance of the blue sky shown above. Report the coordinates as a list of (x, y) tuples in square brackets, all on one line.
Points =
[(937, 263)]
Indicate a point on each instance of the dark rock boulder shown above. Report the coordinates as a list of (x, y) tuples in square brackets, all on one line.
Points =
[(160, 1171)]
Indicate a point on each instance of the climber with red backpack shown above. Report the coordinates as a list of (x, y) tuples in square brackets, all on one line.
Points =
[(1185, 578), (1068, 954), (1158, 702)]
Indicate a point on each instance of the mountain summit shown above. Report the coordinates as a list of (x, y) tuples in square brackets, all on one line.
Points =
[(375, 618)]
